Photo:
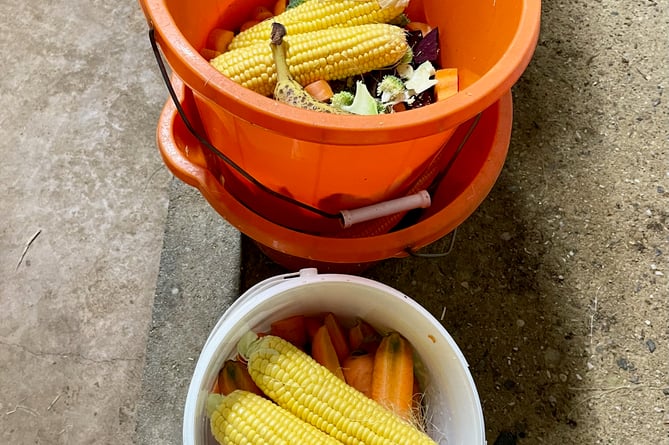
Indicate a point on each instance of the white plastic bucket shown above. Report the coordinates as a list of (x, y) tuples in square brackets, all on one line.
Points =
[(454, 411)]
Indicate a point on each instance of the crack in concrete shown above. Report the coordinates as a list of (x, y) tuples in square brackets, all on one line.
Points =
[(66, 355)]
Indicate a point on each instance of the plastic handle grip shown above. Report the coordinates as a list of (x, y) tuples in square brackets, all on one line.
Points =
[(418, 200)]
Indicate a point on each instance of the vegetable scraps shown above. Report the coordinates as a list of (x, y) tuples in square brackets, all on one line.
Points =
[(413, 81)]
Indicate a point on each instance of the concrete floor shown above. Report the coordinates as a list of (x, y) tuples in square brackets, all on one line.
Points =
[(126, 269)]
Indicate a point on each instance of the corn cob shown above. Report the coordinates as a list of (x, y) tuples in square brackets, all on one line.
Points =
[(299, 384), (242, 418), (315, 15), (334, 53)]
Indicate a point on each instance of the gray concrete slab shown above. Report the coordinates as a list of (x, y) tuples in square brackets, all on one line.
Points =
[(197, 281), (79, 101)]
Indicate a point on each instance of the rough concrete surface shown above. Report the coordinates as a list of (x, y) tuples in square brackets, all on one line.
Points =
[(197, 281), (556, 289), (78, 110)]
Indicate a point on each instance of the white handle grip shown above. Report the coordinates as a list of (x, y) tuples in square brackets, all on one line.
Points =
[(418, 200)]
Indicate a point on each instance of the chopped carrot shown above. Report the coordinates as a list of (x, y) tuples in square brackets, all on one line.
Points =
[(219, 39), (447, 83), (363, 337), (424, 28), (323, 351), (209, 54), (234, 375), (417, 403), (393, 378), (261, 13), (339, 340), (312, 323), (291, 329), (320, 90), (358, 369), (247, 24), (399, 106), (280, 6)]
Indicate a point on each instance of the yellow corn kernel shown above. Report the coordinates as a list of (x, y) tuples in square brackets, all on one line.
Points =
[(242, 417), (315, 15), (299, 384), (329, 54)]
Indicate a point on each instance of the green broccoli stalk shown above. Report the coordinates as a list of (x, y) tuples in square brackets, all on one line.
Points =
[(341, 99), (363, 102)]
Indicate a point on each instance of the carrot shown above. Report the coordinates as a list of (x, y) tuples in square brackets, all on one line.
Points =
[(358, 369), (424, 28), (339, 340), (399, 106), (247, 24), (219, 39), (447, 83), (393, 379), (234, 375), (417, 402), (312, 323), (280, 6), (319, 90), (323, 351), (209, 53), (291, 329), (261, 13), (363, 337)]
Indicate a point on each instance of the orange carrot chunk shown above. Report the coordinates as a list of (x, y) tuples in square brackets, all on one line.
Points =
[(261, 13), (447, 83), (219, 39), (392, 379), (234, 375), (358, 369), (312, 323), (424, 28), (363, 337), (291, 329), (247, 24), (323, 351), (209, 54), (319, 90), (280, 6), (339, 339)]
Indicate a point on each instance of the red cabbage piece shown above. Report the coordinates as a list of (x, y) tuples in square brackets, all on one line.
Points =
[(427, 49)]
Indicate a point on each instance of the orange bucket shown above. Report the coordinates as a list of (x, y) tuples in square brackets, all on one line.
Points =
[(335, 162), (484, 141)]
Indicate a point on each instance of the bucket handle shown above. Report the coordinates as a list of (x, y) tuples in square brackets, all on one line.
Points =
[(346, 217)]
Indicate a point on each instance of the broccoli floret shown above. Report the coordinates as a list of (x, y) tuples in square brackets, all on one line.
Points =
[(401, 20), (391, 88), (342, 99), (407, 57), (363, 102), (420, 80), (293, 3)]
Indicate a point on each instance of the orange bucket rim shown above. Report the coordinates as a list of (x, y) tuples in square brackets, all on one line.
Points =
[(345, 130)]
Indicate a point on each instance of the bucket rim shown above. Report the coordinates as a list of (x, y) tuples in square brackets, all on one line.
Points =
[(206, 81)]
